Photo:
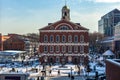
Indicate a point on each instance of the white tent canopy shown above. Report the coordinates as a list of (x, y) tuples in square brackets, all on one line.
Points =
[(108, 53)]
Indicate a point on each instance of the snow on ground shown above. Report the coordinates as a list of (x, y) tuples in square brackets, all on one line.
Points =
[(64, 71)]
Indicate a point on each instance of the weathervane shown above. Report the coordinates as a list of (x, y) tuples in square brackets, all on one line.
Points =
[(65, 2)]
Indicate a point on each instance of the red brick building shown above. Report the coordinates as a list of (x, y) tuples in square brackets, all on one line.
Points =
[(63, 41), (0, 42), (14, 43)]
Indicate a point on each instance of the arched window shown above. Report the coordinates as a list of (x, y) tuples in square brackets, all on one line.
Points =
[(69, 38), (63, 38), (64, 27), (57, 48), (57, 38), (81, 49), (51, 48), (69, 48), (76, 38), (45, 48), (45, 38), (51, 38), (63, 48), (81, 38), (75, 48)]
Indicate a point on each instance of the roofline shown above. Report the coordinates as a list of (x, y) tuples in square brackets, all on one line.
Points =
[(63, 20)]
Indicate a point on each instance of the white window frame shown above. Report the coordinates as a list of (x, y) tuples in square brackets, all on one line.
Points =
[(81, 49), (45, 38), (51, 48), (63, 40), (75, 48), (81, 38), (52, 39), (57, 47), (76, 36), (63, 48), (70, 49), (58, 38), (45, 49)]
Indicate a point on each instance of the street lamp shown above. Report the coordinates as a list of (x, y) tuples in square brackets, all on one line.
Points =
[(72, 77), (71, 71)]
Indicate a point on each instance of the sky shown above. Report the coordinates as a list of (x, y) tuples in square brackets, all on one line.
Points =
[(28, 16)]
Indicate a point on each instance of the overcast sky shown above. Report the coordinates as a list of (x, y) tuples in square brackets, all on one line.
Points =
[(27, 16)]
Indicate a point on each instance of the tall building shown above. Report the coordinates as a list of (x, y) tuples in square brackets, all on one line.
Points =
[(117, 40), (64, 41), (108, 21)]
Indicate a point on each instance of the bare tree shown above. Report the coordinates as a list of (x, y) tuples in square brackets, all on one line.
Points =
[(95, 39)]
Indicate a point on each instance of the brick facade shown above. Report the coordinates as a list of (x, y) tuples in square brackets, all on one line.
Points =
[(0, 42), (63, 41), (14, 43)]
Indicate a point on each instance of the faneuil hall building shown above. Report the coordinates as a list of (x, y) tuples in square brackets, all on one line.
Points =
[(64, 41)]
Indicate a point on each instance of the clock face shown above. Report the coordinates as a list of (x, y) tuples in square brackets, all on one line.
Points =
[(64, 27)]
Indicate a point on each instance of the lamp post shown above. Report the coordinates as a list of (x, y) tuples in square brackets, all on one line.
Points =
[(71, 74), (71, 71)]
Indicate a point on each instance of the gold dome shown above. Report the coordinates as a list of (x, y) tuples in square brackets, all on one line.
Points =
[(65, 7)]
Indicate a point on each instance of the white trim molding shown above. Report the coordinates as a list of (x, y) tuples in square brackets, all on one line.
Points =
[(63, 24), (67, 44), (63, 30), (67, 54)]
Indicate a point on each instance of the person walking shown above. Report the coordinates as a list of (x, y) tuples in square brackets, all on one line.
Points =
[(58, 72), (50, 72)]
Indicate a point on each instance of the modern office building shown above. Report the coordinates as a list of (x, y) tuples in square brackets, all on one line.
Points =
[(117, 40), (64, 41), (108, 21)]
